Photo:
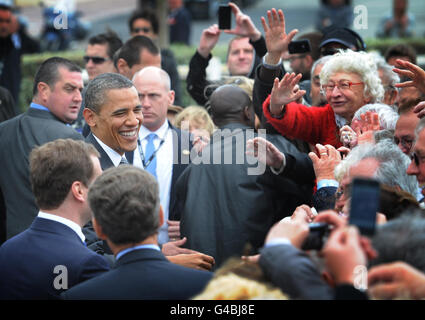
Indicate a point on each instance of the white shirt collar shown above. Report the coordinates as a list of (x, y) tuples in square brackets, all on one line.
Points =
[(64, 221), (144, 132), (113, 155)]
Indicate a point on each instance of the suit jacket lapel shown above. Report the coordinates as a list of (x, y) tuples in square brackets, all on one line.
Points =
[(105, 161)]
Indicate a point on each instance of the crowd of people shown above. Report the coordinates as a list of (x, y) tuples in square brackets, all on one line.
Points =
[(113, 190)]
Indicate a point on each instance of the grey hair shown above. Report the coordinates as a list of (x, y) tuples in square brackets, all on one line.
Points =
[(320, 62), (361, 63), (419, 127), (390, 77), (392, 168), (387, 116), (95, 95), (125, 203)]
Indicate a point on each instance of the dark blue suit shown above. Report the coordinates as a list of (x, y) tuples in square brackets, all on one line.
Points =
[(28, 260), (142, 274)]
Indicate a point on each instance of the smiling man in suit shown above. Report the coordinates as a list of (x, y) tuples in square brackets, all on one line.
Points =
[(50, 255)]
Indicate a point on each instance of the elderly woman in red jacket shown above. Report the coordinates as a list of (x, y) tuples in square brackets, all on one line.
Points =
[(350, 80)]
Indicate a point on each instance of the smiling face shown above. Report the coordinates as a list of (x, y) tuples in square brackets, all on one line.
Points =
[(64, 98), (118, 122), (240, 57), (346, 102)]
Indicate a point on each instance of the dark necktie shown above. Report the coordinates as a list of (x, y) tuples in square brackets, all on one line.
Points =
[(123, 161)]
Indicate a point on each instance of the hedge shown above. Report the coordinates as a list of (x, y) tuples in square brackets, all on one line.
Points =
[(182, 54)]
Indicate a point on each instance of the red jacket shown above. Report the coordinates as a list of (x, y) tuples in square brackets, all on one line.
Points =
[(310, 124)]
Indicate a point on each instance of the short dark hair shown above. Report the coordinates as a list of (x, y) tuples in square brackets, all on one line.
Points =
[(146, 14), (97, 89), (55, 166), (125, 203), (401, 50), (401, 239), (110, 38), (48, 71), (130, 51)]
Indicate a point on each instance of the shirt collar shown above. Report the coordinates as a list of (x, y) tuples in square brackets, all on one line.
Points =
[(143, 246), (38, 106), (144, 132), (67, 222), (113, 155)]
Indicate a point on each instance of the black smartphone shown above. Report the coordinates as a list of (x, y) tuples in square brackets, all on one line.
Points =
[(365, 198), (299, 46), (317, 236), (224, 17)]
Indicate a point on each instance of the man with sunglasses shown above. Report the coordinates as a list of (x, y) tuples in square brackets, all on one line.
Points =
[(100, 52)]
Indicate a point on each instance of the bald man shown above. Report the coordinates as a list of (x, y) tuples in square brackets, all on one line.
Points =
[(163, 150)]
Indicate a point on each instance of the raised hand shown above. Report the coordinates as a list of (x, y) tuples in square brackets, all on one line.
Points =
[(325, 162), (284, 92), (244, 25), (415, 73), (265, 151), (275, 35), (209, 39)]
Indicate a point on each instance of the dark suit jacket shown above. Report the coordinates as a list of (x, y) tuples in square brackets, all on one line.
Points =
[(143, 274), (28, 261), (182, 145), (224, 208), (18, 137)]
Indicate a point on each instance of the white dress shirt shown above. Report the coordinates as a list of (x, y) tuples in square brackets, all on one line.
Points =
[(112, 154), (164, 168), (71, 224)]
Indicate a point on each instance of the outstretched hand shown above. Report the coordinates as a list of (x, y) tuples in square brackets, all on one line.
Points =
[(284, 92), (265, 151), (209, 39), (275, 35), (414, 72)]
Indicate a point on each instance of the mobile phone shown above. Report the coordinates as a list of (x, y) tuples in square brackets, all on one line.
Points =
[(317, 236), (224, 17), (365, 198), (299, 46)]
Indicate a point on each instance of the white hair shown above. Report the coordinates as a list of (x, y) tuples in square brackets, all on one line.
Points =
[(387, 116), (361, 63)]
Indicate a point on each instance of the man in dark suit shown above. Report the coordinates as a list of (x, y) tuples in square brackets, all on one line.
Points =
[(227, 199), (56, 102), (50, 256), (114, 115), (131, 229)]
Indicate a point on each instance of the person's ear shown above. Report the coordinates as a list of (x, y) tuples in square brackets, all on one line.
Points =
[(122, 67), (171, 96), (43, 91), (90, 117), (326, 276), (98, 229), (77, 189)]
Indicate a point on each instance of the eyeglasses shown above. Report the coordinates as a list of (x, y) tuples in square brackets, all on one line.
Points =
[(144, 30), (96, 60), (405, 142), (415, 158), (342, 86)]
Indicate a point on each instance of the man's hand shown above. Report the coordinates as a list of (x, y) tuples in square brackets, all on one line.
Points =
[(173, 230), (295, 229), (244, 25), (419, 109), (396, 280), (196, 260), (324, 164), (265, 151), (172, 248), (343, 252), (284, 92), (209, 39), (275, 35), (415, 73)]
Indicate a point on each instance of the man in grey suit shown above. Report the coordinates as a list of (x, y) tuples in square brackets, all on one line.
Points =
[(56, 102)]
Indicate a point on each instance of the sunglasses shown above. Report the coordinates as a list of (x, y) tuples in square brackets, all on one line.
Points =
[(96, 60), (144, 30)]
